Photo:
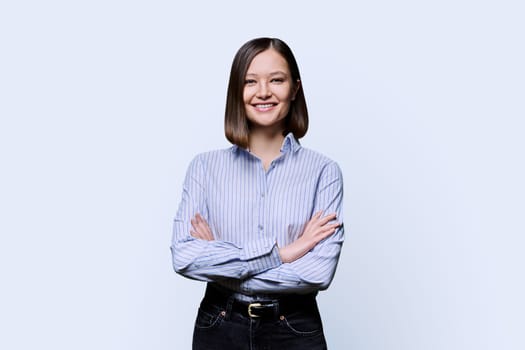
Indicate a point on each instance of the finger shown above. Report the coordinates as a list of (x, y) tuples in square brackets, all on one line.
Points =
[(194, 224), (199, 218), (328, 232), (202, 222), (334, 224), (332, 227), (208, 231), (204, 229), (198, 230), (327, 218), (205, 232), (198, 225), (199, 235)]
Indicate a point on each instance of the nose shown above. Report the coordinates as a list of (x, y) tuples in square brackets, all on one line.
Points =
[(264, 91)]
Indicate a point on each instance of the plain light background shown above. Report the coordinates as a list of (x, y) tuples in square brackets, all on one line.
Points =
[(104, 103)]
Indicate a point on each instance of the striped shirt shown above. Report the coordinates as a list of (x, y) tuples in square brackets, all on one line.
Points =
[(251, 212)]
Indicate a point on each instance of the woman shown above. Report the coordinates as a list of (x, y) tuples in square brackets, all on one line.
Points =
[(261, 221)]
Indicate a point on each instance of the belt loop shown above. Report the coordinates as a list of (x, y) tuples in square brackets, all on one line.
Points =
[(229, 305)]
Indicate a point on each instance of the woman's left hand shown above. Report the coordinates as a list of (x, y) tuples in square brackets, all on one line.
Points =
[(200, 228)]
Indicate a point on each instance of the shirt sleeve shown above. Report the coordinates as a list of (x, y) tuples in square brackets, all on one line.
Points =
[(213, 260), (315, 270)]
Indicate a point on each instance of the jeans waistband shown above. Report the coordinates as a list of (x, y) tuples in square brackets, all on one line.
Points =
[(216, 288), (259, 306)]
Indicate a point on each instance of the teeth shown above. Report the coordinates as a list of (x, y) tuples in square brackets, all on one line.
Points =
[(265, 106)]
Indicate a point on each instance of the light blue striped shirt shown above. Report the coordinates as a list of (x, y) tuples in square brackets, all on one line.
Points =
[(251, 213)]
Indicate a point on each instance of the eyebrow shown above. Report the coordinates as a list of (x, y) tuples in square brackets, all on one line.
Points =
[(271, 74)]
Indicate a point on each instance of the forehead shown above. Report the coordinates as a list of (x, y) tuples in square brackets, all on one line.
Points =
[(268, 61)]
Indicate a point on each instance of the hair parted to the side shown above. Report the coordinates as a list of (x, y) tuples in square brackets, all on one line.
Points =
[(236, 125)]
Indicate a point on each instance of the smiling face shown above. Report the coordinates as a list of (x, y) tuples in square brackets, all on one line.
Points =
[(268, 90)]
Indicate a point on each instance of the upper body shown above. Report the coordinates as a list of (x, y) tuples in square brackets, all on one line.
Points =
[(264, 216), (252, 212)]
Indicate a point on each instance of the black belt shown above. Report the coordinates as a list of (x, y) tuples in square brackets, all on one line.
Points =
[(264, 309), (272, 306)]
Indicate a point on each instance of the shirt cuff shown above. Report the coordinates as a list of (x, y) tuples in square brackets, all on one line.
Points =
[(261, 255), (257, 248), (265, 262)]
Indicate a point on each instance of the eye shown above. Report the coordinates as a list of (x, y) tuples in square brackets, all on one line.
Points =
[(277, 80), (249, 82)]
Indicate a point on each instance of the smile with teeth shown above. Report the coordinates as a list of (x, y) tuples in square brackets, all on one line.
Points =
[(264, 106)]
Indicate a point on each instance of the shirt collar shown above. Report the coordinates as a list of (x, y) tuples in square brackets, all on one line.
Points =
[(290, 144)]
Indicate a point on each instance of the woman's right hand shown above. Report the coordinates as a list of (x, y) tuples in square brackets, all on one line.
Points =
[(317, 229), (200, 228)]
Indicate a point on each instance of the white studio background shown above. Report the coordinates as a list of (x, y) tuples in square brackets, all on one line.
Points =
[(104, 103)]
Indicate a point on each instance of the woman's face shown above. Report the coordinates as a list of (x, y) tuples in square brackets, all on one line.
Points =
[(268, 90)]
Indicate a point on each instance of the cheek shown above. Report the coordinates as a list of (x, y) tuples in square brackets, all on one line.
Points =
[(285, 108), (286, 94), (247, 95), (285, 98)]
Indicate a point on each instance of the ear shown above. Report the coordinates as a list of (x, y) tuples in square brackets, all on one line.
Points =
[(295, 88)]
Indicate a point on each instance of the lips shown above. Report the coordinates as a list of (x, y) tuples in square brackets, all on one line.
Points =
[(263, 107)]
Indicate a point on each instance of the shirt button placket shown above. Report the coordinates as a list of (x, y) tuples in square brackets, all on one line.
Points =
[(260, 226), (262, 195)]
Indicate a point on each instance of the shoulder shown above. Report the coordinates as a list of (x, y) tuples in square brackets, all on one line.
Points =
[(212, 157), (319, 161), (214, 154)]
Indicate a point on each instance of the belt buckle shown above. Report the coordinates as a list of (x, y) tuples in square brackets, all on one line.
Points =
[(250, 309)]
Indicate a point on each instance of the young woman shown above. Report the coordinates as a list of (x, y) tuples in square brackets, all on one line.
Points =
[(261, 221)]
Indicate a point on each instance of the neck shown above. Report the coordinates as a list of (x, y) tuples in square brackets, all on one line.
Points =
[(266, 144)]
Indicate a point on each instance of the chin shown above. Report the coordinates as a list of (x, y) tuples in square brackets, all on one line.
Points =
[(266, 123)]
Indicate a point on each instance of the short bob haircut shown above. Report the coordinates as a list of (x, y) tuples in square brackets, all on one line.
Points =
[(236, 126)]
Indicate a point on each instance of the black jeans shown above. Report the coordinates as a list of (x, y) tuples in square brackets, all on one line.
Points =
[(223, 324)]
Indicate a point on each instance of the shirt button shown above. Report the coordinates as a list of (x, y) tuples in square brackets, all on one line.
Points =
[(262, 195), (261, 227)]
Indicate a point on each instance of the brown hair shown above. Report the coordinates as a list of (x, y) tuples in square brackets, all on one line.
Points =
[(236, 125)]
